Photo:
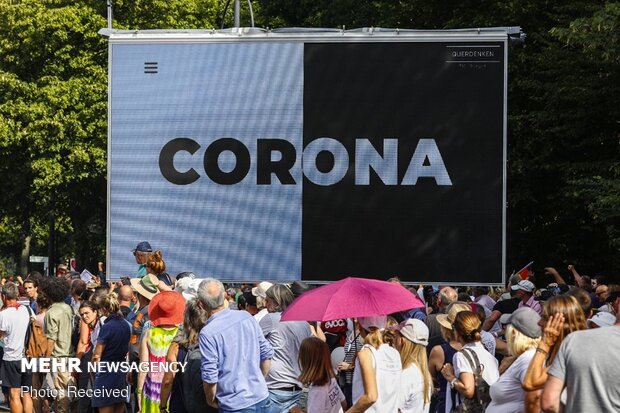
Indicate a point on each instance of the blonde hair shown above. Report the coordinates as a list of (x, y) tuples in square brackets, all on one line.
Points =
[(388, 335), (109, 303), (413, 353), (446, 333), (468, 325), (574, 318), (155, 263), (519, 343), (374, 336)]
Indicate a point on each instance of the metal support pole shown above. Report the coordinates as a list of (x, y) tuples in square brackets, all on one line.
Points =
[(237, 17), (109, 4)]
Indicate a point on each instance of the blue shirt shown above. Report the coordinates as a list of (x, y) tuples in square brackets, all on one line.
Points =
[(141, 270), (232, 346), (115, 334)]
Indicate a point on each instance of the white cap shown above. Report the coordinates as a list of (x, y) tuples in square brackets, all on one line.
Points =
[(602, 319), (413, 330), (377, 321), (524, 285), (261, 290)]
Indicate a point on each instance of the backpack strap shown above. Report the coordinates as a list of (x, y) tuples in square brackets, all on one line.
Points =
[(479, 366), (473, 363), (29, 329)]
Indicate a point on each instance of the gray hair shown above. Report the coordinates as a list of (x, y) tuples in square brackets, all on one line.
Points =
[(211, 293), (10, 290), (448, 295), (281, 295)]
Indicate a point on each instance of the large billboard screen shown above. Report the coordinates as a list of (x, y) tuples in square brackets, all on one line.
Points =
[(313, 159)]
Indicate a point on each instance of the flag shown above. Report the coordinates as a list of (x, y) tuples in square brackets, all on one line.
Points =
[(525, 272)]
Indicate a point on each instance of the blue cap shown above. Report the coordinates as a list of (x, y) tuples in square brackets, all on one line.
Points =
[(143, 247)]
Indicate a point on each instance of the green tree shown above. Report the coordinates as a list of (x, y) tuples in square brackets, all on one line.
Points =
[(53, 113)]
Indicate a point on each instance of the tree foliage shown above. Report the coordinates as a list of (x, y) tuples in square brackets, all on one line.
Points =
[(53, 112), (563, 152)]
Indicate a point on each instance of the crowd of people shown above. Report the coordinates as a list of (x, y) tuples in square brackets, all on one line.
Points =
[(517, 349)]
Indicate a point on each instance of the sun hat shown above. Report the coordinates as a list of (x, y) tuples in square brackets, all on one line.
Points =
[(143, 246), (298, 288), (377, 321), (526, 321), (447, 319), (261, 290), (524, 285), (145, 286), (188, 287), (602, 319), (413, 330), (167, 307)]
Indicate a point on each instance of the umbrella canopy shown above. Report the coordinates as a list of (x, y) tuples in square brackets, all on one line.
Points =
[(351, 297)]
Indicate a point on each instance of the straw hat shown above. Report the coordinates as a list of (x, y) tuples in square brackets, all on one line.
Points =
[(146, 286), (261, 290), (167, 307), (456, 307)]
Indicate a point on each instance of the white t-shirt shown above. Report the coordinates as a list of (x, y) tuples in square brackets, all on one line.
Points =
[(412, 391), (14, 323), (488, 341), (388, 368), (490, 371), (507, 395), (259, 316), (326, 398)]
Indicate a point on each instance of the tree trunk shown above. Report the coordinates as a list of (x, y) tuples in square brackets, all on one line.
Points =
[(24, 259)]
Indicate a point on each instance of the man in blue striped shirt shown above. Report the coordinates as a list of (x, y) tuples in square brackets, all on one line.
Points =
[(235, 355)]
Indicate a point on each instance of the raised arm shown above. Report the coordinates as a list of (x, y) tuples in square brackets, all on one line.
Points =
[(555, 274), (576, 275), (536, 375)]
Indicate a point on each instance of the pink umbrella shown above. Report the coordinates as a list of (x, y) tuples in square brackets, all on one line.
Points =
[(351, 297)]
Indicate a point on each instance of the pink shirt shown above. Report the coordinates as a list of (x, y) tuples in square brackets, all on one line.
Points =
[(533, 304)]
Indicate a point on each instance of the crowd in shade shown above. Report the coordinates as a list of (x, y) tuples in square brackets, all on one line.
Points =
[(520, 348)]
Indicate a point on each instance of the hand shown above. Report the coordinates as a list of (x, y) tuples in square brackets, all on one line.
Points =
[(571, 268), (343, 366), (448, 372), (551, 270), (296, 409), (552, 329)]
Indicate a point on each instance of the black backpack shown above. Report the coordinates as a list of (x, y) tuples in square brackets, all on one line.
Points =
[(194, 398), (75, 332), (482, 396)]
